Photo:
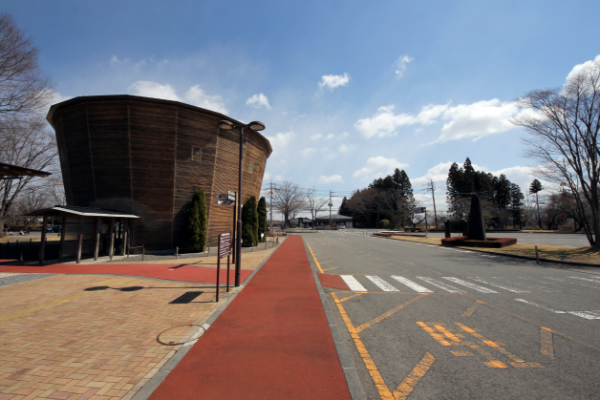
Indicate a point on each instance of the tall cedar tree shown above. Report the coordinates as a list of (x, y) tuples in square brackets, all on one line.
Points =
[(534, 188), (250, 223), (195, 230), (344, 210), (262, 219)]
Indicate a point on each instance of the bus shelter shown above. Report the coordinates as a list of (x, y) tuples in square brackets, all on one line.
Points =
[(87, 231)]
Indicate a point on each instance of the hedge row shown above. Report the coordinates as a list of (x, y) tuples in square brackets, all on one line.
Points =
[(491, 242)]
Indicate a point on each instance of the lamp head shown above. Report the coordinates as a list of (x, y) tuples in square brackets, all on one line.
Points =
[(256, 126), (225, 125)]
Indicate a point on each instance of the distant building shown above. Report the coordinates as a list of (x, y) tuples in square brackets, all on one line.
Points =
[(146, 156), (336, 220)]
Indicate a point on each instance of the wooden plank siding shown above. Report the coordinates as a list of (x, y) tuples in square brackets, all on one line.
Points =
[(147, 156)]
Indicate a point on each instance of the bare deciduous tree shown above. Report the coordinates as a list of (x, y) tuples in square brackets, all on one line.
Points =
[(26, 142), (288, 200), (564, 125), (315, 204), (23, 88)]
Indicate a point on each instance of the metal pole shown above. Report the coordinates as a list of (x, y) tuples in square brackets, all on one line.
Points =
[(433, 196), (238, 264)]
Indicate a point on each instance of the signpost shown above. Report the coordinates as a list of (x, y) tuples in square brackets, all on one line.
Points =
[(224, 251)]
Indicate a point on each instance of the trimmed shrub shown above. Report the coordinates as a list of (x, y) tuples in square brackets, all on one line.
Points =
[(385, 223), (250, 223), (195, 231), (490, 242), (262, 219)]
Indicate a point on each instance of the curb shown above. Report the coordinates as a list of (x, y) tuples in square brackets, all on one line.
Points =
[(148, 387), (356, 390), (573, 263)]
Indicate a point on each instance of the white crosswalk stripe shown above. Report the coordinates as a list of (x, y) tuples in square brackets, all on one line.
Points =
[(413, 285), (487, 282), (383, 285), (441, 285), (353, 284), (469, 285)]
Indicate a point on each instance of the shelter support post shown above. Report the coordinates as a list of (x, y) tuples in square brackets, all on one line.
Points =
[(62, 238), (43, 242), (111, 232), (96, 237), (79, 239)]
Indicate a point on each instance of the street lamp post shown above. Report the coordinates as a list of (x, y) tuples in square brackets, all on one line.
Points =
[(255, 126)]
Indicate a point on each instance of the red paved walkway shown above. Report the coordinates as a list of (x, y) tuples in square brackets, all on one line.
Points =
[(185, 273), (272, 342)]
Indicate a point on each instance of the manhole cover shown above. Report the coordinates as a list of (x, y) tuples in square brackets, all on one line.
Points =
[(180, 335)]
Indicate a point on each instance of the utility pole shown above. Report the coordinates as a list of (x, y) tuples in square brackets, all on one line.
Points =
[(432, 187), (330, 205), (271, 204)]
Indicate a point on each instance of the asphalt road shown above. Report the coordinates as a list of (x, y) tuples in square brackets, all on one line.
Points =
[(428, 322)]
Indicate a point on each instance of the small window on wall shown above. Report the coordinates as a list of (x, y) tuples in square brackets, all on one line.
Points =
[(251, 167), (196, 154)]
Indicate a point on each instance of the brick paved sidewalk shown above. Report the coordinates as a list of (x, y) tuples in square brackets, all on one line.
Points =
[(59, 341)]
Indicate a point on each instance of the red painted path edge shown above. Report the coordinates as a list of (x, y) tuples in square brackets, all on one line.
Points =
[(332, 281), (183, 273), (272, 342)]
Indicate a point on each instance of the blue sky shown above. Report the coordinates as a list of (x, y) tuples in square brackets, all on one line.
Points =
[(348, 90)]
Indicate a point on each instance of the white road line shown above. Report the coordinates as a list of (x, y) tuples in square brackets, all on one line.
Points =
[(498, 286), (353, 284), (441, 285), (469, 284), (411, 284), (585, 279), (383, 285), (484, 255), (531, 303), (594, 314)]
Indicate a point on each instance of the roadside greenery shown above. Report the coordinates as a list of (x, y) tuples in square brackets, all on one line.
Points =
[(262, 219), (250, 223), (195, 231)]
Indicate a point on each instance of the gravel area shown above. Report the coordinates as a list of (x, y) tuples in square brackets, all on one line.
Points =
[(18, 278)]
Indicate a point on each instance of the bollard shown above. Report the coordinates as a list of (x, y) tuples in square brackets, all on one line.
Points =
[(143, 253), (176, 252), (537, 257)]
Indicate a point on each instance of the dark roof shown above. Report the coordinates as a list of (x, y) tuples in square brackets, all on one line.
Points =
[(334, 217), (81, 211), (112, 97), (8, 171)]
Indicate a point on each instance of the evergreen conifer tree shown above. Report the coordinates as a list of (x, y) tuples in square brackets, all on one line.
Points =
[(195, 231), (262, 219), (249, 223)]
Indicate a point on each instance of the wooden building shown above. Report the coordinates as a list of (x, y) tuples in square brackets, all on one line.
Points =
[(146, 156)]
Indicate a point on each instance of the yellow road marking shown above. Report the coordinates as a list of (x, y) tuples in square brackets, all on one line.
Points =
[(384, 391), (459, 353), (516, 361), (314, 258), (469, 311), (351, 297), (447, 333), (440, 339), (413, 378), (546, 342), (385, 315), (53, 303), (327, 269), (581, 342), (492, 361)]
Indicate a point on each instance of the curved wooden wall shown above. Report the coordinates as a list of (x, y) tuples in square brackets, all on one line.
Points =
[(147, 156)]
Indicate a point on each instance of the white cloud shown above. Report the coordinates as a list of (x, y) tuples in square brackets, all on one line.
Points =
[(401, 63), (280, 140), (278, 178), (333, 81), (258, 101), (316, 136), (330, 136), (266, 177), (477, 120), (464, 121), (330, 179), (378, 166), (154, 89), (437, 173), (195, 95), (583, 68), (343, 148), (307, 152), (385, 122), (198, 97)]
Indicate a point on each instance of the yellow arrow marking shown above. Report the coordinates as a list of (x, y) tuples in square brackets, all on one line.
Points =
[(413, 378), (383, 316)]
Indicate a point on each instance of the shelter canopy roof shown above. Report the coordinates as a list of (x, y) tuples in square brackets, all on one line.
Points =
[(8, 171), (59, 210)]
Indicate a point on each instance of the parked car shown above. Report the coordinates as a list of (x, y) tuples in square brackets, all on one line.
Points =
[(53, 228)]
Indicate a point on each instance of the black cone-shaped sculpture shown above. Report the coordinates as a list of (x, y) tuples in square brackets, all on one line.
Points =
[(476, 228)]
